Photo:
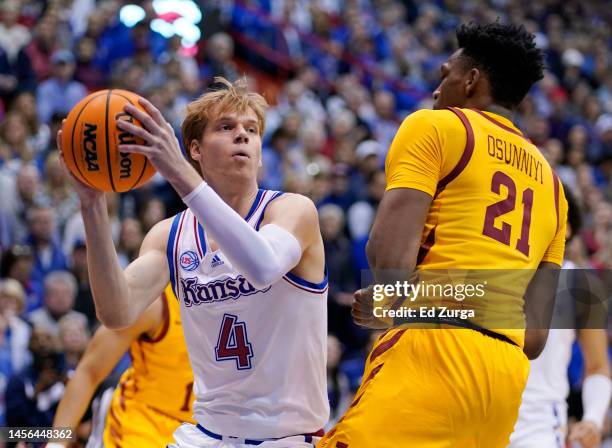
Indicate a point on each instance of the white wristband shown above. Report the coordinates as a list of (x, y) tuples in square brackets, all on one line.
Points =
[(596, 390)]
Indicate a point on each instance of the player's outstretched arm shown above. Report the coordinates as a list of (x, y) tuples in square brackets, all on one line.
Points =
[(102, 354), (289, 230), (119, 297)]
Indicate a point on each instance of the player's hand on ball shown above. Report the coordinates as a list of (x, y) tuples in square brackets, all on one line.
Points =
[(87, 195), (363, 310), (586, 433), (162, 147)]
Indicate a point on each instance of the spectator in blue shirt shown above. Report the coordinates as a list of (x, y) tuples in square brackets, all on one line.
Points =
[(48, 254), (60, 93)]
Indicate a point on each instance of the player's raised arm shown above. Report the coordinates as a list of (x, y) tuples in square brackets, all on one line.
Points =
[(102, 354), (266, 255), (263, 256), (119, 296)]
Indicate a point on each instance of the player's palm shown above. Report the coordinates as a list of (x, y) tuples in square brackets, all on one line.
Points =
[(87, 195)]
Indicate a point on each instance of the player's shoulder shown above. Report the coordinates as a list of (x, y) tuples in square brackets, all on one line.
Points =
[(158, 235), (433, 115), (294, 202), (428, 120)]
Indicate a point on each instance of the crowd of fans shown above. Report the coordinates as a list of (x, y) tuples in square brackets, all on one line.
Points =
[(346, 71)]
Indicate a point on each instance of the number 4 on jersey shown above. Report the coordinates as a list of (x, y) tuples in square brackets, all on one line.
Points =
[(233, 343)]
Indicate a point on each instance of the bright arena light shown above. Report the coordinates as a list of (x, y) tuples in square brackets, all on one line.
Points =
[(174, 17), (130, 15)]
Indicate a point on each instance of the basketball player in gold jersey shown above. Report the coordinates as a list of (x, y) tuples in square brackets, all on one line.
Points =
[(465, 190), (154, 396)]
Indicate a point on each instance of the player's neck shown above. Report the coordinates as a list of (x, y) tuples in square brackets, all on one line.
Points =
[(239, 196), (485, 103), (499, 110)]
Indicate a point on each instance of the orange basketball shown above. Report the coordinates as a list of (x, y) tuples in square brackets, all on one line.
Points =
[(90, 138)]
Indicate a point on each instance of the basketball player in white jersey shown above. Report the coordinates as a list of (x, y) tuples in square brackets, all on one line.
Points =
[(542, 421), (247, 266)]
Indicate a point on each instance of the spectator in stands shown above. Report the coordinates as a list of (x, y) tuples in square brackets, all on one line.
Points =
[(153, 212), (14, 331), (14, 133), (74, 336), (42, 46), (14, 336), (219, 60), (60, 294), (88, 71), (48, 254), (273, 155), (18, 197), (18, 263), (58, 192), (39, 134), (13, 36), (32, 395), (16, 76), (129, 241), (369, 156), (341, 193), (60, 93), (84, 300)]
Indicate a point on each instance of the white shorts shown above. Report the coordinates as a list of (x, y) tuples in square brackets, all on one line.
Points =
[(190, 436), (540, 425)]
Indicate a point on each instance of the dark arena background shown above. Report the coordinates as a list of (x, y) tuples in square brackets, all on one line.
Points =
[(340, 76)]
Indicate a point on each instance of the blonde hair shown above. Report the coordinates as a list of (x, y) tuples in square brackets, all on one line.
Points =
[(12, 288), (232, 97)]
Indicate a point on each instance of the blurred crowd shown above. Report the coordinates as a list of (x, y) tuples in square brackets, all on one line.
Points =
[(343, 74)]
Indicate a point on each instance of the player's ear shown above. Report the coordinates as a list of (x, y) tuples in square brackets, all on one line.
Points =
[(473, 77), (195, 150)]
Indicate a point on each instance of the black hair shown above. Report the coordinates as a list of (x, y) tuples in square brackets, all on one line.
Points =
[(11, 256), (507, 54)]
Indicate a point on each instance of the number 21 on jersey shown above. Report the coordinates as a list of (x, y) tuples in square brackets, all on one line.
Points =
[(233, 344), (506, 206)]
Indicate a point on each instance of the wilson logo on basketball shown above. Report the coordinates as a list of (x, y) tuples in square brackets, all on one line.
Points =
[(189, 260), (91, 141), (89, 144), (125, 138)]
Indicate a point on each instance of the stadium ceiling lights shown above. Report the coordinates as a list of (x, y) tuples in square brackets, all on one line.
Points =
[(174, 17)]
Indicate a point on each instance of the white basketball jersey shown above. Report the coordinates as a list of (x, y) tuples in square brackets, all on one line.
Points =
[(258, 356), (547, 387)]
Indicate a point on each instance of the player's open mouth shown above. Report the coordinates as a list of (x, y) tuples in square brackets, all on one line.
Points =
[(241, 155)]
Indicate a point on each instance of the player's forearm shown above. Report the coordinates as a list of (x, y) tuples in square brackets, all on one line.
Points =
[(107, 280), (596, 392), (184, 179), (77, 396)]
